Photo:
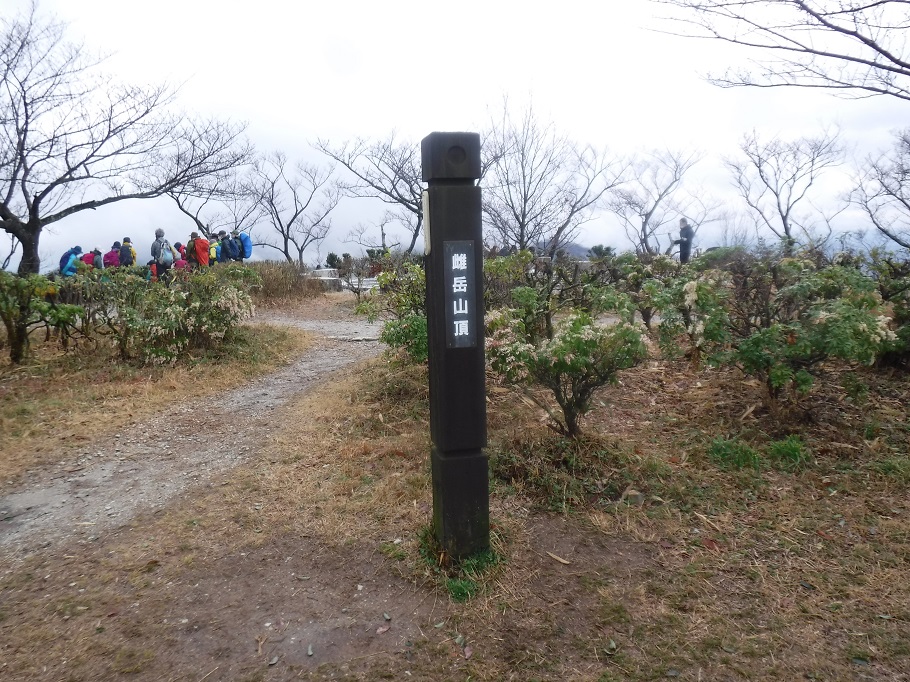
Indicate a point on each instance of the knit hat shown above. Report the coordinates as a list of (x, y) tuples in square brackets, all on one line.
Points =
[(116, 245)]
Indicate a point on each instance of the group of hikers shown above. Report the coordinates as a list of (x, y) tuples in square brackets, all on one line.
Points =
[(198, 252)]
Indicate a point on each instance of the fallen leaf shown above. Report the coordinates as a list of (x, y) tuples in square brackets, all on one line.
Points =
[(710, 544), (468, 651), (387, 616), (558, 558), (309, 650), (384, 628), (273, 661), (611, 648)]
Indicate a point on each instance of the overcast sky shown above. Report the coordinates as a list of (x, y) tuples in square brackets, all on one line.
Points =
[(296, 71)]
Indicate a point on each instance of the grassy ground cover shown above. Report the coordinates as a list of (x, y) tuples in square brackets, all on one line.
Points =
[(692, 535)]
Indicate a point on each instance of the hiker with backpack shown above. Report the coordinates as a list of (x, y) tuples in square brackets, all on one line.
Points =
[(244, 244), (112, 258), (69, 261), (127, 253), (163, 254), (229, 249), (197, 251), (93, 259)]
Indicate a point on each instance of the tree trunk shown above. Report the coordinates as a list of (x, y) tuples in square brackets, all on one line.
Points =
[(31, 261), (17, 331)]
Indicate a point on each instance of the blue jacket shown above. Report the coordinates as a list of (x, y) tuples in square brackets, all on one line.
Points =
[(69, 269)]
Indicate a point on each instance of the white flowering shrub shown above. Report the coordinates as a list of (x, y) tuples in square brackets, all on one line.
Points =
[(775, 318), (891, 273), (644, 280), (695, 306), (156, 321), (572, 359)]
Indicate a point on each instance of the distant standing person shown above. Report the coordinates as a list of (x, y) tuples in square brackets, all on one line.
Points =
[(686, 235), (229, 250), (69, 261), (162, 253), (197, 251), (93, 259), (112, 257), (127, 253), (244, 244)]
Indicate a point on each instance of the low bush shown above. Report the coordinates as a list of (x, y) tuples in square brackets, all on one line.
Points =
[(790, 453), (733, 454), (280, 282)]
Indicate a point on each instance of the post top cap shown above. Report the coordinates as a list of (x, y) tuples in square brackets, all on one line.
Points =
[(450, 156)]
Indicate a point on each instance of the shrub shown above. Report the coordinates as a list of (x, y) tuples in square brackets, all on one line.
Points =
[(27, 303), (789, 453), (775, 318), (733, 454), (156, 321), (572, 358), (408, 334), (401, 303), (280, 282)]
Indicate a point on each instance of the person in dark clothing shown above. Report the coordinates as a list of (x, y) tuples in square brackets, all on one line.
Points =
[(229, 250), (127, 254), (686, 235)]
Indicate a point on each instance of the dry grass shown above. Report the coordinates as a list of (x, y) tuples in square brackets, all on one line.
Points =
[(711, 573), (282, 284), (56, 402)]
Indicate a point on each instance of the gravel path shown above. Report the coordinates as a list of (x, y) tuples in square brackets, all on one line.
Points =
[(142, 470)]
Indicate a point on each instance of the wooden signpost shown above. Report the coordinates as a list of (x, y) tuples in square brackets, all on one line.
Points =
[(455, 314)]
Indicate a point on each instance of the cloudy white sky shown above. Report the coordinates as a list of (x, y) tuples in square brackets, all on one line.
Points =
[(297, 71)]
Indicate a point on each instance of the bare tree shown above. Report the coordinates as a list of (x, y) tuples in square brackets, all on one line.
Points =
[(228, 204), (13, 247), (737, 229), (73, 140), (540, 187), (776, 177), (355, 274), (883, 192), (857, 48), (364, 234), (388, 170), (650, 203), (296, 202)]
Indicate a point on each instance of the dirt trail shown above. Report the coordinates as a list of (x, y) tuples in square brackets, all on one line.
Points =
[(147, 464)]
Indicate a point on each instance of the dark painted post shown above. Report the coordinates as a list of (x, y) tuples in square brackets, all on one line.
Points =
[(458, 410)]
